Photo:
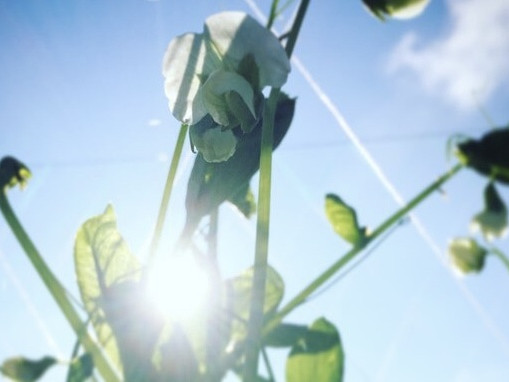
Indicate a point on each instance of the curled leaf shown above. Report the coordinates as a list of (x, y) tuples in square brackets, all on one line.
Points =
[(12, 173), (343, 219)]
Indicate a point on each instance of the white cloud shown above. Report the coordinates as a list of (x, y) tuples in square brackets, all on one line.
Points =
[(470, 62)]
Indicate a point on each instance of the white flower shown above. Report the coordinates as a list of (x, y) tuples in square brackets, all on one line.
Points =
[(466, 255), (195, 66)]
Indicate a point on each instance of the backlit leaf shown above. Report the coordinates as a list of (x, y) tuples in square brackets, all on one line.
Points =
[(318, 356), (285, 335), (81, 368), (344, 220)]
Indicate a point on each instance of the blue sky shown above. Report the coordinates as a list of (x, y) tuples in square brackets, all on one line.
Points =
[(83, 106)]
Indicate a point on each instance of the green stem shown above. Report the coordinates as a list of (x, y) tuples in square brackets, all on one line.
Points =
[(273, 13), (262, 240), (294, 32), (57, 291), (177, 152), (497, 252), (334, 268)]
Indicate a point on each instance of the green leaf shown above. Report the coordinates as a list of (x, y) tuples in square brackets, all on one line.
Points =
[(12, 173), (492, 221), (210, 184), (318, 356), (245, 201), (466, 255), (344, 220), (488, 156), (102, 261), (81, 368), (238, 298), (285, 335), (399, 9), (26, 370)]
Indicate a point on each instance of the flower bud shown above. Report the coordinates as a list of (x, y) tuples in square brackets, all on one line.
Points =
[(466, 255)]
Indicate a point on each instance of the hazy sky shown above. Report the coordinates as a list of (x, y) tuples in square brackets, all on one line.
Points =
[(83, 105)]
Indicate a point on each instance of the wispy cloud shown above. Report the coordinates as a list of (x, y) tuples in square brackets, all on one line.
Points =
[(470, 61)]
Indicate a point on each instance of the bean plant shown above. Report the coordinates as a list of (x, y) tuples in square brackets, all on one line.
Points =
[(225, 86)]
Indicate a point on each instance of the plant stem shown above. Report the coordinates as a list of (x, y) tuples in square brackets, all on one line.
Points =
[(57, 291), (273, 13), (497, 252), (334, 268), (294, 32), (177, 152), (262, 240)]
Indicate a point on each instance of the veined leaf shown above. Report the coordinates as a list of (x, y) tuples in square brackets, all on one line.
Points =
[(239, 297), (102, 260), (344, 220), (318, 356), (26, 370)]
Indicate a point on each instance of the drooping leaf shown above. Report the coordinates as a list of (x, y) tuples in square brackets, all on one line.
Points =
[(244, 200), (489, 155), (285, 335), (81, 368), (102, 261), (318, 356), (466, 255), (12, 173), (210, 184), (492, 221), (238, 298), (343, 219), (26, 370)]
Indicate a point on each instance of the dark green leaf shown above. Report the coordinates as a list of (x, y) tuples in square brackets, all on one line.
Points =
[(210, 184), (344, 220), (489, 155), (395, 8), (244, 200), (239, 298), (81, 368), (318, 356), (26, 370), (285, 335), (12, 173)]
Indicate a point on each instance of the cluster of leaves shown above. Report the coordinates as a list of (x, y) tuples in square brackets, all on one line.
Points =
[(488, 156)]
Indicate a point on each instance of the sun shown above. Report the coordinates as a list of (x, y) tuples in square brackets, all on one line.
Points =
[(178, 287)]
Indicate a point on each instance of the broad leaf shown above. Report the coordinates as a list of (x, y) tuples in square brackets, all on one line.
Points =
[(318, 356), (26, 370), (102, 261), (81, 368), (238, 298), (210, 184), (489, 155), (344, 220)]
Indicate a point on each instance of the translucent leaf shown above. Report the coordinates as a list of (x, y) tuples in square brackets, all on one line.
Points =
[(102, 260), (344, 220), (489, 156), (238, 298), (81, 368), (492, 221), (26, 370), (318, 356), (210, 184), (466, 255), (12, 173)]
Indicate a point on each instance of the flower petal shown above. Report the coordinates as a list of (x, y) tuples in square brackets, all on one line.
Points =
[(184, 61), (235, 34), (213, 92)]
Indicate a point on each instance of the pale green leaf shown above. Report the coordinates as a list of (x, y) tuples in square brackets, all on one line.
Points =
[(317, 356), (466, 255), (344, 220)]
